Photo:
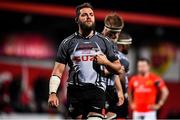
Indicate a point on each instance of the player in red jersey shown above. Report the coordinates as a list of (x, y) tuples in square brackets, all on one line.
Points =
[(143, 91)]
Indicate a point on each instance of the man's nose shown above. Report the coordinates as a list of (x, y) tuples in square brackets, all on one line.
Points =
[(88, 16)]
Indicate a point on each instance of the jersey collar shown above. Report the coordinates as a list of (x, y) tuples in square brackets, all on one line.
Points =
[(88, 37)]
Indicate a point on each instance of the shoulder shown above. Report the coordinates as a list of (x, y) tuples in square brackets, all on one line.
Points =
[(133, 81), (69, 38), (154, 76), (102, 37), (134, 77)]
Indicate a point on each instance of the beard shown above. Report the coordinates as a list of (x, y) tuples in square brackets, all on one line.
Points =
[(125, 51), (86, 30), (142, 73)]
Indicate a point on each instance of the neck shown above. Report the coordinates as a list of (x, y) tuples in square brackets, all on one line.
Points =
[(86, 34), (145, 74), (103, 32)]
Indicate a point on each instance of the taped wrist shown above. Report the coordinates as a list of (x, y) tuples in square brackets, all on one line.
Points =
[(54, 83)]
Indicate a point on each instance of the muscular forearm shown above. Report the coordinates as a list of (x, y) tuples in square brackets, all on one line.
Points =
[(115, 67), (130, 98), (58, 69), (163, 98), (118, 85), (56, 77), (122, 77)]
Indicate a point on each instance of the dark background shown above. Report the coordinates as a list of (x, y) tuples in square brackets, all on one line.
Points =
[(25, 68)]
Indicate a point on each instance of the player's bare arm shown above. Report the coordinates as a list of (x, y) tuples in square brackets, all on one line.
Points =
[(54, 84), (58, 69), (106, 73), (130, 98), (111, 66), (122, 76), (164, 95), (119, 90)]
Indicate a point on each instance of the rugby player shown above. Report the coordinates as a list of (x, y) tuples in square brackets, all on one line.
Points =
[(87, 53), (113, 24), (143, 91)]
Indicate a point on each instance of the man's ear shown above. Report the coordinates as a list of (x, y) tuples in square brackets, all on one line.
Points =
[(76, 20)]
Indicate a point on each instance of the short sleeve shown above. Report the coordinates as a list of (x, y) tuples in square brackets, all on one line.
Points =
[(130, 84), (110, 51), (62, 56), (160, 83)]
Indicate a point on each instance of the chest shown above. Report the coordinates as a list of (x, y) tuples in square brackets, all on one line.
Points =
[(144, 86), (85, 50)]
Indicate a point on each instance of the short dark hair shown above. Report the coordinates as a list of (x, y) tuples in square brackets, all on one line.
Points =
[(113, 20), (81, 6), (145, 60)]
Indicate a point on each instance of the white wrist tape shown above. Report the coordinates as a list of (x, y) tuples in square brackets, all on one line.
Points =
[(54, 84)]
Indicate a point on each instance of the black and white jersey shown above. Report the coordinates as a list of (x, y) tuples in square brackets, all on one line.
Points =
[(125, 62), (78, 52)]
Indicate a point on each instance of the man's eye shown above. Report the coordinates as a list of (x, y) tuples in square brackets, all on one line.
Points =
[(83, 15), (91, 14)]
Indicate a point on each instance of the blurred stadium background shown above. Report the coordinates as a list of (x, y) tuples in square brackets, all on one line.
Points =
[(31, 31)]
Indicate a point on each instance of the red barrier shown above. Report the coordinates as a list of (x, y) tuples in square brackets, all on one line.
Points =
[(67, 11)]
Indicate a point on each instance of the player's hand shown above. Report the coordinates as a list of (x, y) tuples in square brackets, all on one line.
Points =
[(101, 59), (154, 107), (121, 99), (106, 72), (122, 70), (53, 100), (133, 106)]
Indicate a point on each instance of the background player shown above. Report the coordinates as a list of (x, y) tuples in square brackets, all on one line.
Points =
[(143, 92), (113, 25), (84, 51), (124, 41)]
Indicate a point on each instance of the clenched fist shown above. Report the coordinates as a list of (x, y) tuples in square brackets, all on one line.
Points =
[(53, 100), (101, 59), (121, 98)]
